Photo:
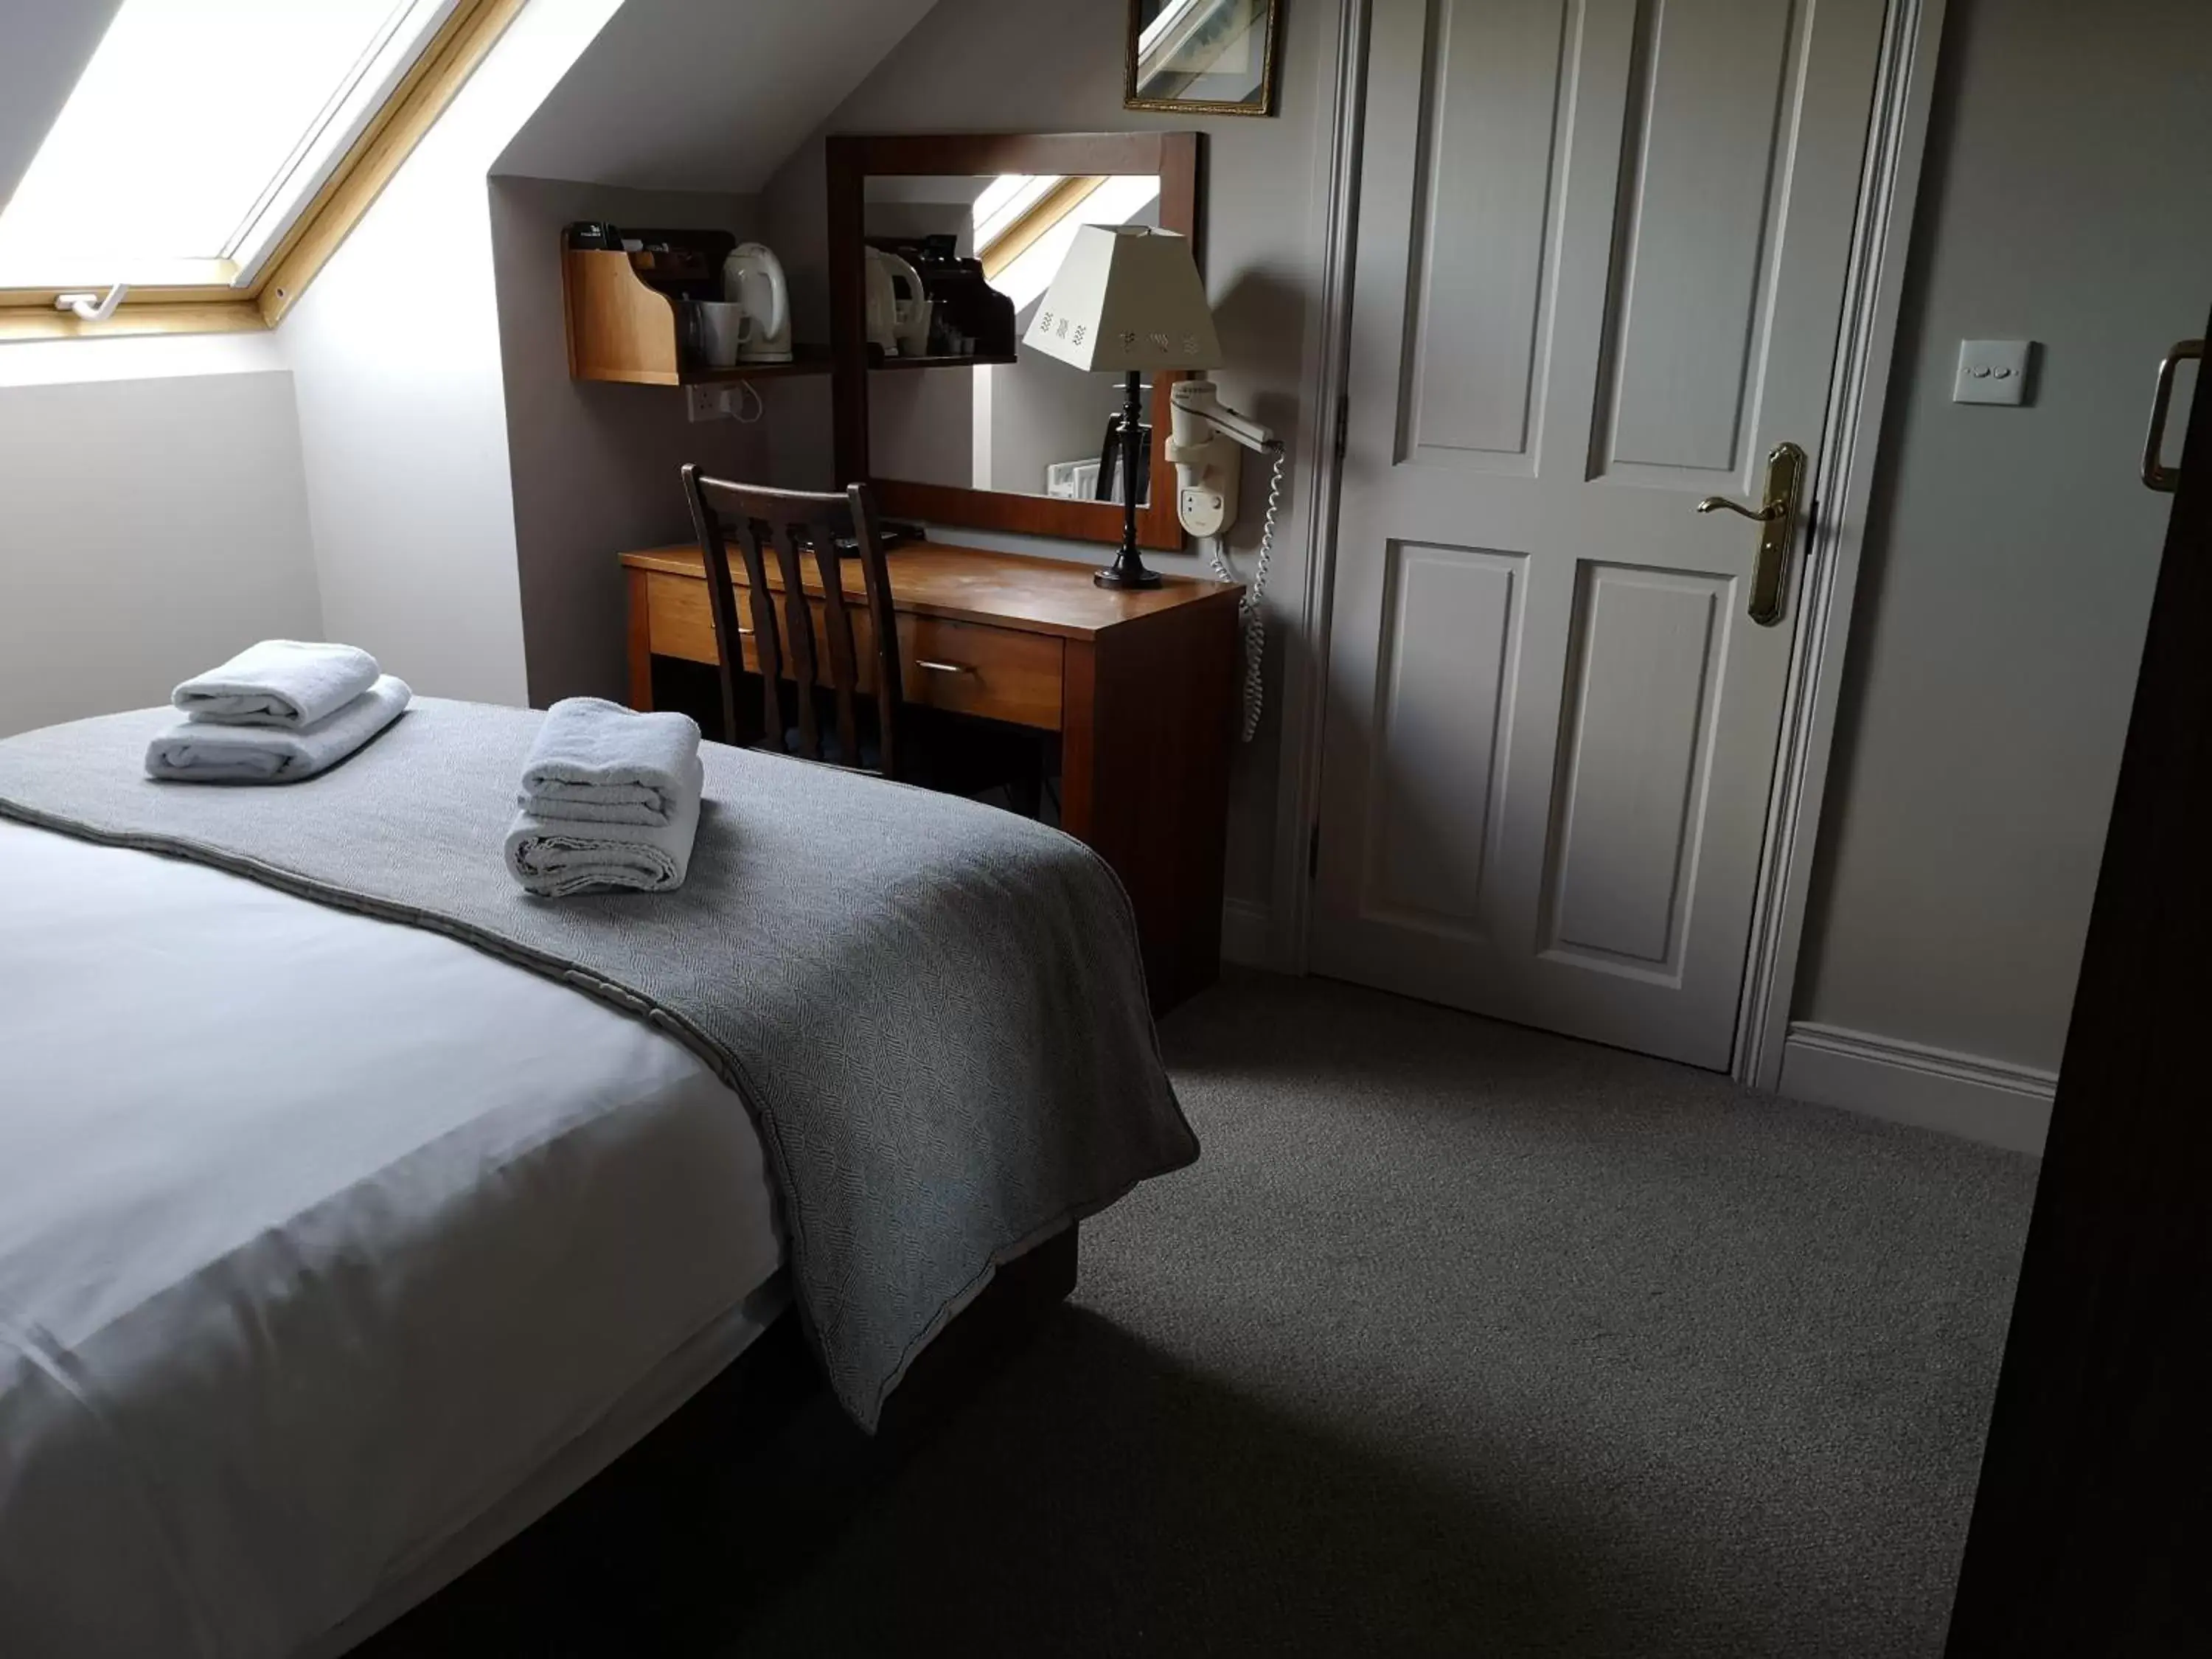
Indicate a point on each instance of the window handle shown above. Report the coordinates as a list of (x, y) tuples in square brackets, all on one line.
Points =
[(90, 307)]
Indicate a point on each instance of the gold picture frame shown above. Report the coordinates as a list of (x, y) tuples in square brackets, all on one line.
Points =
[(1185, 55)]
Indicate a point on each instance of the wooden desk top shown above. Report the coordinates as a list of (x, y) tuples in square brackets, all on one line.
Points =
[(973, 584)]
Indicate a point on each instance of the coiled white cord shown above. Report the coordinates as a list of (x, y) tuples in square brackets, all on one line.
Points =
[(1248, 611)]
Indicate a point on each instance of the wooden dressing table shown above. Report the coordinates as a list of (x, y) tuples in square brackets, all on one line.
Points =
[(1140, 685)]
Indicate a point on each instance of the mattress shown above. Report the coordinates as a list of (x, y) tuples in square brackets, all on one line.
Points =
[(326, 1245)]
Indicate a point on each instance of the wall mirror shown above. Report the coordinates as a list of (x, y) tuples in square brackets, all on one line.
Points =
[(940, 249), (1208, 56)]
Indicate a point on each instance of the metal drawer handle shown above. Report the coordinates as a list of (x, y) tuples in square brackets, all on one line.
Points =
[(943, 667), (2156, 475)]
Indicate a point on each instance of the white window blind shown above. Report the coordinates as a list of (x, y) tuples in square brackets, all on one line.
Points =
[(198, 132)]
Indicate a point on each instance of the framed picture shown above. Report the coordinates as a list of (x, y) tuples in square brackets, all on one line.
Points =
[(1205, 56)]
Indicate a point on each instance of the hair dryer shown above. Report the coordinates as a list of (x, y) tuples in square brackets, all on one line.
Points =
[(1202, 446)]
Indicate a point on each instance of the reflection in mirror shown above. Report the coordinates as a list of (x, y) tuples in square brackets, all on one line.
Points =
[(1213, 55), (957, 267)]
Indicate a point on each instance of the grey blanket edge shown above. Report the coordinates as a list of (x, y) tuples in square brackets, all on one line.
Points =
[(725, 1065)]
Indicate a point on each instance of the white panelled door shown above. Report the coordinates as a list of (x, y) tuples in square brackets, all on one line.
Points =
[(1602, 258)]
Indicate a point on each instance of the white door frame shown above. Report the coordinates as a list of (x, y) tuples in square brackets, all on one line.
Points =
[(1826, 581)]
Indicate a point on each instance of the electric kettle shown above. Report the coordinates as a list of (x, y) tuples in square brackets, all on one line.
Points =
[(911, 309), (879, 302), (753, 277)]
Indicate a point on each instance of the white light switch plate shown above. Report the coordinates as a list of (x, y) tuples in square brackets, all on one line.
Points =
[(1992, 372)]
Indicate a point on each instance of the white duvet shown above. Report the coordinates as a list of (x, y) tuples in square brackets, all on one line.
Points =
[(317, 1237)]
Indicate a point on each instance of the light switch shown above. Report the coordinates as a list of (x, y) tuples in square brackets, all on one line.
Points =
[(1992, 372)]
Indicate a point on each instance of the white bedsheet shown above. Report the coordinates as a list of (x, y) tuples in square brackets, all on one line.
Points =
[(317, 1237)]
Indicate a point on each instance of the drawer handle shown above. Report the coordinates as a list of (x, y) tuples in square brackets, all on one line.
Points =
[(943, 667)]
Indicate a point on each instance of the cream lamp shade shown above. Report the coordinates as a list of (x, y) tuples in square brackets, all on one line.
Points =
[(1127, 299)]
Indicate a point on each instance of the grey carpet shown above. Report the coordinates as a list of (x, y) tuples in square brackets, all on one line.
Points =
[(1460, 1339)]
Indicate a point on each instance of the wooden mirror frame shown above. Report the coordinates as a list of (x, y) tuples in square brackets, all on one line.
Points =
[(1173, 156)]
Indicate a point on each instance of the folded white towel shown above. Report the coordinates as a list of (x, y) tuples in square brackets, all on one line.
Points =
[(201, 752), (599, 762), (555, 857), (286, 683)]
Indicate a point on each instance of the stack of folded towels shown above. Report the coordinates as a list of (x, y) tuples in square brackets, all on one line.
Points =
[(609, 799), (275, 712)]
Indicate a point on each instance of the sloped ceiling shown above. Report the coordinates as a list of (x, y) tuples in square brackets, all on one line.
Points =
[(705, 94), (44, 46)]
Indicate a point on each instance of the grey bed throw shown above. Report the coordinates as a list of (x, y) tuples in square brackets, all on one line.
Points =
[(934, 1010)]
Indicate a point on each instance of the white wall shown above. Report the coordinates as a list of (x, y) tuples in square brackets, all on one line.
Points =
[(1056, 66), (2012, 552), (593, 467), (153, 517), (397, 352), (149, 528), (402, 416)]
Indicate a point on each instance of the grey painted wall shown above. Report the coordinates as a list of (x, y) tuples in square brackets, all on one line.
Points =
[(152, 527), (706, 96), (2012, 553), (1056, 66), (593, 465)]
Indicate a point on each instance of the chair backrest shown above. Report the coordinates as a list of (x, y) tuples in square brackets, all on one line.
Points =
[(779, 524)]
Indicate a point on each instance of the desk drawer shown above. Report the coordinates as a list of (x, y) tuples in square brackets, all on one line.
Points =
[(997, 673)]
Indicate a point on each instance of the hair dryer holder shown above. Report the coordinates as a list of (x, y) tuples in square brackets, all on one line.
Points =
[(1202, 446)]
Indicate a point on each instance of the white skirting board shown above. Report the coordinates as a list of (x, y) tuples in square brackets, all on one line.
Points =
[(1246, 934), (1985, 1100)]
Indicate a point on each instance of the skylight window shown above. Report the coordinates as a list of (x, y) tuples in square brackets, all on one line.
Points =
[(199, 133), (1116, 199)]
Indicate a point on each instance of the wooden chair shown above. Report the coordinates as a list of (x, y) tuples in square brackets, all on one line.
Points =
[(779, 524), (875, 731)]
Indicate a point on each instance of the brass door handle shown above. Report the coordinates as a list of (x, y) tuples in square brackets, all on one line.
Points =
[(1765, 514), (1776, 518), (2156, 474)]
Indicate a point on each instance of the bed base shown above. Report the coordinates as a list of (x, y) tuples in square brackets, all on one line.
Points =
[(986, 1333), (777, 1375), (766, 1424)]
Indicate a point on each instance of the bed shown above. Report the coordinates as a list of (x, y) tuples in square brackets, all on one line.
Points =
[(343, 1232)]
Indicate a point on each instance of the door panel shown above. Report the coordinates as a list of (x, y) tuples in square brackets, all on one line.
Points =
[(1645, 650), (1451, 641), (1493, 94), (1600, 266), (1713, 88)]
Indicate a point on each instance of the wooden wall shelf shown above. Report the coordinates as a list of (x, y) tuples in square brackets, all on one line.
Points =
[(623, 328), (804, 359)]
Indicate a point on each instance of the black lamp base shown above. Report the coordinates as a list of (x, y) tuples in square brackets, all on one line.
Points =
[(1125, 432), (1131, 574)]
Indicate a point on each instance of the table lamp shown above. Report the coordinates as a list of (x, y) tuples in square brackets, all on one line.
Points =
[(1127, 299)]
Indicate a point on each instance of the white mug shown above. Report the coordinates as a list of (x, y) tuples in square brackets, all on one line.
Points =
[(724, 328)]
